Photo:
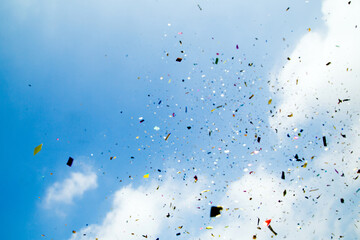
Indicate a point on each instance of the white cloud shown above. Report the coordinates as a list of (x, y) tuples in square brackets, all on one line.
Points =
[(297, 215), (147, 211), (319, 85), (73, 187)]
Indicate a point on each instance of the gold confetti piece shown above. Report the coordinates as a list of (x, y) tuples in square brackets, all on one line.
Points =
[(269, 102), (305, 164), (209, 227), (146, 176), (290, 115), (313, 190), (37, 149), (205, 191), (251, 96), (309, 29), (213, 110), (167, 137)]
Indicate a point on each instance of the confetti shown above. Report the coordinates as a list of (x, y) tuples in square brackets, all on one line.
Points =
[(216, 211), (70, 161), (167, 136), (37, 149)]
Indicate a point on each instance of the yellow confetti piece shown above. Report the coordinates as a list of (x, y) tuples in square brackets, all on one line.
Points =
[(205, 191), (305, 164), (290, 115), (309, 29), (146, 176), (269, 102), (213, 110), (37, 149), (209, 227)]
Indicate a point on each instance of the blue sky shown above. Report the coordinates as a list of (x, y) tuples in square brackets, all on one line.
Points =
[(79, 77)]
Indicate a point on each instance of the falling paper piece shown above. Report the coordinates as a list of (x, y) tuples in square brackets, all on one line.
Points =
[(37, 149), (268, 222), (70, 161), (269, 102), (167, 137), (216, 211), (272, 230), (324, 141), (111, 158), (196, 178), (156, 128), (146, 175), (179, 59), (209, 227), (216, 60), (283, 175)]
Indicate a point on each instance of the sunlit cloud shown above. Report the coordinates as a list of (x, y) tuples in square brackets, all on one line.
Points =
[(73, 187)]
